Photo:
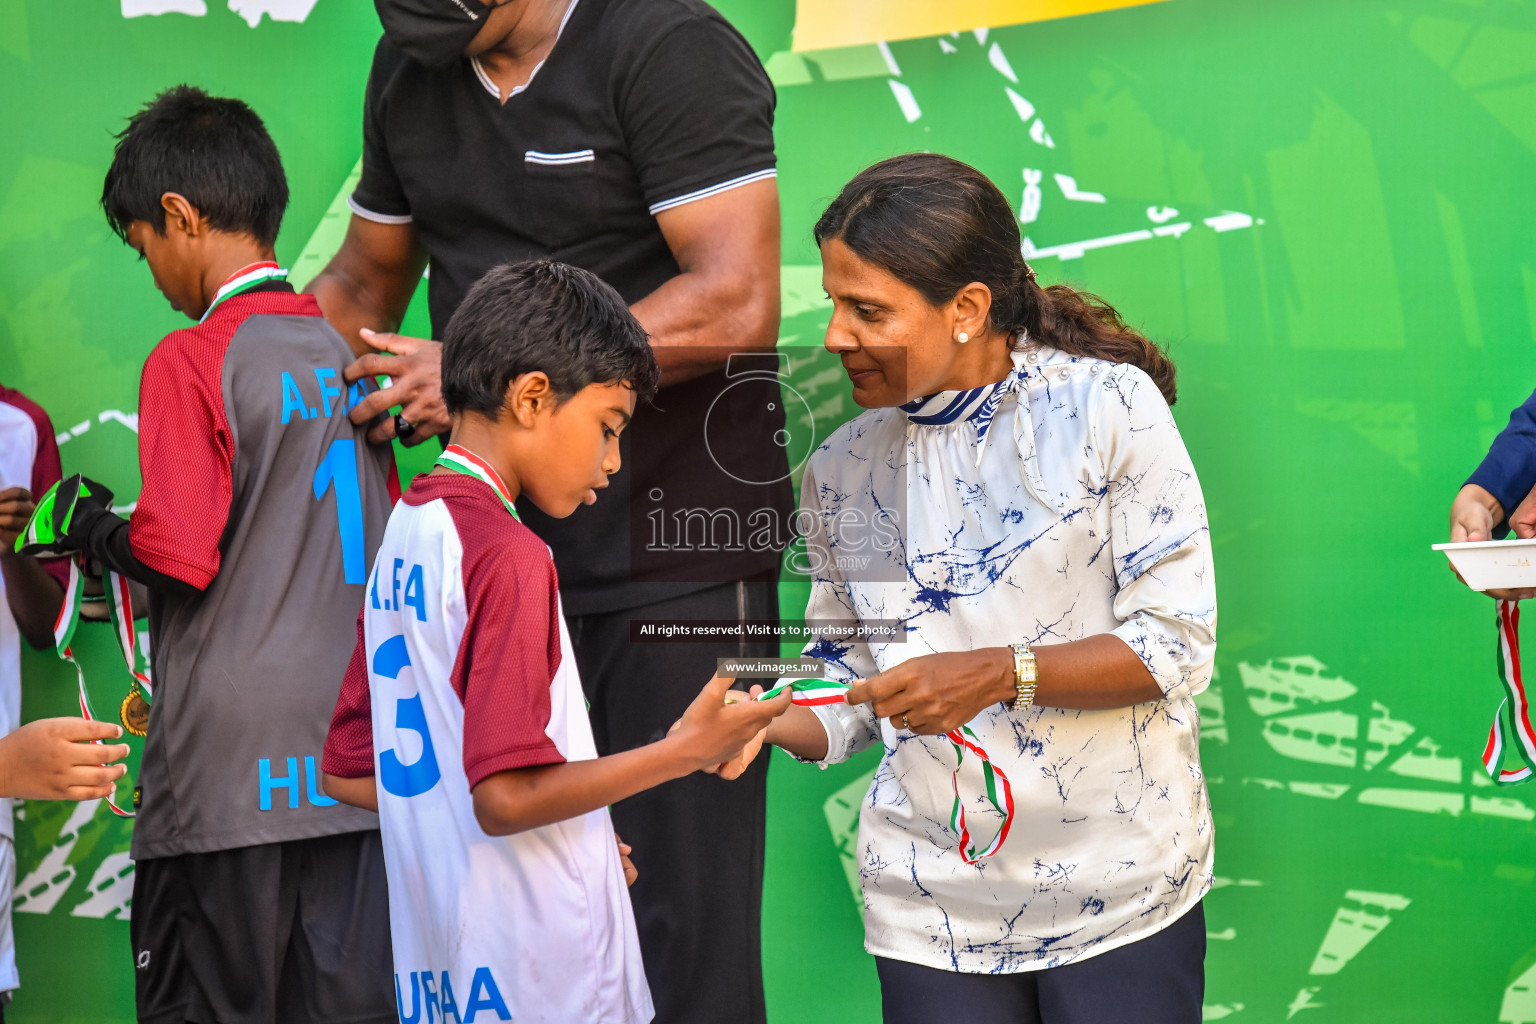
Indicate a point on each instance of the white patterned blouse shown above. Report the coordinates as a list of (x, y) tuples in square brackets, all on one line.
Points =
[(1054, 505)]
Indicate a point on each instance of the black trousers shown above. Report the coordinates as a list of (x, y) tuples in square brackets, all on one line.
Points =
[(1157, 980), (698, 840), (282, 933)]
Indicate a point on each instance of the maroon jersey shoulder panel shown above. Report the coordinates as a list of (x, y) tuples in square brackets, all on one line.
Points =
[(511, 646)]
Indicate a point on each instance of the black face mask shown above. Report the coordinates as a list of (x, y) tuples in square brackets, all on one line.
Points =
[(432, 32)]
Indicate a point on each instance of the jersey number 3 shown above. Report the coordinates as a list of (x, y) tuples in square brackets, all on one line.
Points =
[(390, 658)]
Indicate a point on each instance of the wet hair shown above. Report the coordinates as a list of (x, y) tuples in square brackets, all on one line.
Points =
[(542, 315), (938, 225), (214, 151)]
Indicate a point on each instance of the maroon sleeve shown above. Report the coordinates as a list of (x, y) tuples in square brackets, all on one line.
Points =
[(511, 647), (349, 745), (47, 470), (186, 457)]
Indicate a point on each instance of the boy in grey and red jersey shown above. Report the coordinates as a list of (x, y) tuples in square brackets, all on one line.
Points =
[(256, 898)]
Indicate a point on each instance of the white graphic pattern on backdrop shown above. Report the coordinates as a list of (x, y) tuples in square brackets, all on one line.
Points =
[(250, 10)]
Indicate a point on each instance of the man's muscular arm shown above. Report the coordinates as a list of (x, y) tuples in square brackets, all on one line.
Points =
[(727, 297), (370, 280)]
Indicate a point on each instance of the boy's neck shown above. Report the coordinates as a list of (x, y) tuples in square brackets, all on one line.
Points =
[(226, 256), (488, 439)]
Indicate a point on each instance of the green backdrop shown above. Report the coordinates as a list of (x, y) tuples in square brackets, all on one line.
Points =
[(1323, 207)]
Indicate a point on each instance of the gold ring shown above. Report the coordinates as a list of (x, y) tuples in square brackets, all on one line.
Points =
[(904, 724)]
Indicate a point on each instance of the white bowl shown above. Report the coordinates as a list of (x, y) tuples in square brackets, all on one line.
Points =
[(1494, 564)]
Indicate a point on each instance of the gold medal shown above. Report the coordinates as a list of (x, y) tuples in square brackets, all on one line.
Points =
[(134, 713)]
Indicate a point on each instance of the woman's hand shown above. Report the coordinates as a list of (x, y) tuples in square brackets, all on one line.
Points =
[(934, 693)]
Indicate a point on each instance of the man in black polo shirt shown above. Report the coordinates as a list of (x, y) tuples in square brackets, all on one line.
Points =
[(632, 138)]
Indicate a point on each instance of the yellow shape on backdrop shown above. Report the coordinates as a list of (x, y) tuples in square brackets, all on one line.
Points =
[(822, 24)]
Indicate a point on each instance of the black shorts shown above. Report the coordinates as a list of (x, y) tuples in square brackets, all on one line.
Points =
[(1156, 980), (285, 932)]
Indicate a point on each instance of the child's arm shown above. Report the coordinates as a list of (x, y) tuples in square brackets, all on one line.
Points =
[(359, 792), (83, 521), (34, 596), (709, 733)]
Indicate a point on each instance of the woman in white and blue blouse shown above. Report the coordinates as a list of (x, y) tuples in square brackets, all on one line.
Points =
[(1053, 577)]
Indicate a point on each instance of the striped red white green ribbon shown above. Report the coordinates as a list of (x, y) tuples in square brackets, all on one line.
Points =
[(1514, 709), (808, 693), (120, 611), (963, 739), (63, 636), (243, 280), (461, 460), (812, 693)]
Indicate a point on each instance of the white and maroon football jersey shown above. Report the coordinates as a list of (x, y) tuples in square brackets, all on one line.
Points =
[(463, 669)]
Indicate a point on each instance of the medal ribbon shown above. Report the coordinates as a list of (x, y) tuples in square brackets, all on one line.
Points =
[(461, 460), (63, 634), (810, 693), (1514, 709), (243, 280), (120, 611)]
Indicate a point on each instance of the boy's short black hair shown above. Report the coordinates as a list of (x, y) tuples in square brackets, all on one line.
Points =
[(214, 151), (542, 315)]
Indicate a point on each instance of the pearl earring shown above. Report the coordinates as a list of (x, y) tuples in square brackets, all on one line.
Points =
[(963, 338)]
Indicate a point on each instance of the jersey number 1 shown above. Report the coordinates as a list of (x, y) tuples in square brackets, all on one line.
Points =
[(340, 467)]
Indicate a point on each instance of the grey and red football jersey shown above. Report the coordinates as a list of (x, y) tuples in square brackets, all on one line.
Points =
[(258, 489)]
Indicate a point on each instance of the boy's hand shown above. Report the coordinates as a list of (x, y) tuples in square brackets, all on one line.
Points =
[(15, 509), (733, 768), (54, 759), (713, 733), (630, 871)]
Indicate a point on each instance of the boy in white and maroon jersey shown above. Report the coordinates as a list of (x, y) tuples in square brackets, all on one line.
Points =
[(461, 718)]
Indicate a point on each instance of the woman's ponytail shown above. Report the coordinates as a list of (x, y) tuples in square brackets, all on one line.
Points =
[(938, 225), (1082, 324)]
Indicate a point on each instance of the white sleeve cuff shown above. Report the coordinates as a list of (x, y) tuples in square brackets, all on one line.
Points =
[(377, 218), (713, 190), (1179, 676), (850, 729)]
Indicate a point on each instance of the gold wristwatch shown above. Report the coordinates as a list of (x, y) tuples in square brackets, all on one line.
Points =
[(1025, 673)]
